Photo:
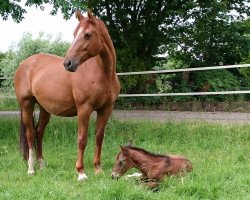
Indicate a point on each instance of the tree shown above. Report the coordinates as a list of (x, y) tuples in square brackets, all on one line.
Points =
[(213, 37), (197, 32), (17, 10)]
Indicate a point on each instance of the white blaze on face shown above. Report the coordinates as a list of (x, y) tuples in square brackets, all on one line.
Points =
[(80, 30)]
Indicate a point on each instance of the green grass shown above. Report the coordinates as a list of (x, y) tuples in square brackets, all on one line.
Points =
[(8, 104), (220, 155)]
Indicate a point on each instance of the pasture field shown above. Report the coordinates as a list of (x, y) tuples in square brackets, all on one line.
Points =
[(219, 152), (8, 104)]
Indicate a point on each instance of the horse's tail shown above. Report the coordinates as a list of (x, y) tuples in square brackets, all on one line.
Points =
[(23, 139)]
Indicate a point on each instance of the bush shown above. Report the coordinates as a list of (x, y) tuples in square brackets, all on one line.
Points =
[(215, 81), (26, 47)]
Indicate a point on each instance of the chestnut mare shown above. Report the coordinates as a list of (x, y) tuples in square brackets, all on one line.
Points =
[(59, 87), (153, 166)]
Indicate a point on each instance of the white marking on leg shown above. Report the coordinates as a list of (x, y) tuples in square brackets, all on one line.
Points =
[(82, 177), (31, 169), (134, 175)]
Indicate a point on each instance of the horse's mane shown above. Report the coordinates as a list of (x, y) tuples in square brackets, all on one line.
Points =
[(143, 151)]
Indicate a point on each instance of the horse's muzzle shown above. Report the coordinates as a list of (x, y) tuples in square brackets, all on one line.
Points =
[(70, 66), (115, 176)]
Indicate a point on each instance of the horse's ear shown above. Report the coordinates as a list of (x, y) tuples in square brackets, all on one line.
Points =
[(79, 15), (124, 150), (90, 15), (130, 143)]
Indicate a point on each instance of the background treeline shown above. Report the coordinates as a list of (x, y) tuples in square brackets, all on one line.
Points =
[(154, 35)]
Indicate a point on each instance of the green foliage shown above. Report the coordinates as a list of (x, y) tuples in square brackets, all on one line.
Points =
[(11, 8), (201, 81), (9, 104), (2, 55), (164, 81), (245, 72), (219, 153), (26, 47), (17, 10), (210, 39), (216, 80)]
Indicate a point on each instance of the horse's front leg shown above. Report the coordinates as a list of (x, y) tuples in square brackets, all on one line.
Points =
[(83, 117), (101, 121)]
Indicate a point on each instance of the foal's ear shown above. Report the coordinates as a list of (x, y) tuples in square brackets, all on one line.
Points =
[(130, 143), (124, 150), (79, 15)]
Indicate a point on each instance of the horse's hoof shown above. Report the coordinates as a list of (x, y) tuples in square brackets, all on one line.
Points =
[(31, 172), (41, 164), (98, 171), (82, 177)]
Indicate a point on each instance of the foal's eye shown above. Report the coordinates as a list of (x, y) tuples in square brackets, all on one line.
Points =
[(121, 162), (87, 36)]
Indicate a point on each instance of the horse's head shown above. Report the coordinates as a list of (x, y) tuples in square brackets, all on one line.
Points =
[(87, 42), (123, 163)]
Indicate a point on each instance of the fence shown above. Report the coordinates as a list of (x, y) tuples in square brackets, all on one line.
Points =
[(172, 71), (184, 70)]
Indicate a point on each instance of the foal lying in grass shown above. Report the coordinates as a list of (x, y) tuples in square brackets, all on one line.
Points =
[(153, 167)]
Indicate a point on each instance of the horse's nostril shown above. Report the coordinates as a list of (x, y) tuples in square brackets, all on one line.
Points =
[(67, 63)]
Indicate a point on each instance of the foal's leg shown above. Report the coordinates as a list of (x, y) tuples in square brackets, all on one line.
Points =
[(44, 118), (27, 107), (101, 121), (83, 117)]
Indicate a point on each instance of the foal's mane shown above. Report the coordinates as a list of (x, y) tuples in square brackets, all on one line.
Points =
[(143, 151)]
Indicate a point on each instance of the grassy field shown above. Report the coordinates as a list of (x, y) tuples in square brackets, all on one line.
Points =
[(220, 155), (8, 104)]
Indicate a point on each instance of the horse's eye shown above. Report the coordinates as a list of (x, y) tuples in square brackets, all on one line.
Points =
[(121, 162), (87, 36)]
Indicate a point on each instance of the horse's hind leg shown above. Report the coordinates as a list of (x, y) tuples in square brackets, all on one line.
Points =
[(44, 118), (27, 108), (101, 121)]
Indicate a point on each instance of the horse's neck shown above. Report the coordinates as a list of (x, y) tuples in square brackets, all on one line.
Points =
[(108, 59), (107, 54)]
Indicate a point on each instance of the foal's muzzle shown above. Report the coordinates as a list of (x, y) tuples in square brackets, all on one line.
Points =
[(115, 176), (70, 65)]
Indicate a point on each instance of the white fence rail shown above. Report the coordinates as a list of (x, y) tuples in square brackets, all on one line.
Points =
[(183, 70), (171, 71)]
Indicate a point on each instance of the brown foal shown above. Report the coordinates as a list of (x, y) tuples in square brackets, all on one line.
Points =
[(152, 166)]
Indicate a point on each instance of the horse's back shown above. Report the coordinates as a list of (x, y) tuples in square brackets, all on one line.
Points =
[(25, 68), (179, 164), (23, 75)]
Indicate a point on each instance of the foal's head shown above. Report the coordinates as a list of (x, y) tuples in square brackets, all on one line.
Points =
[(87, 42), (123, 163)]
